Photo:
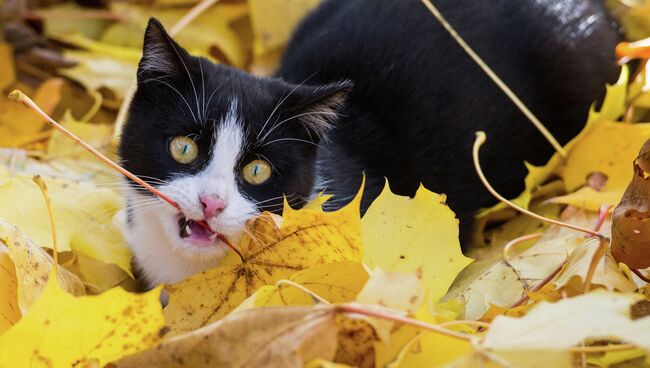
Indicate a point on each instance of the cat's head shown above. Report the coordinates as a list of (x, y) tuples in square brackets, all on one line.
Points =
[(221, 143)]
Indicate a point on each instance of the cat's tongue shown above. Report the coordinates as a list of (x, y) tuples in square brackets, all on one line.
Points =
[(195, 233)]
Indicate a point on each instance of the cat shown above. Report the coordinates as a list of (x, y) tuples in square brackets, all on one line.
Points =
[(365, 86)]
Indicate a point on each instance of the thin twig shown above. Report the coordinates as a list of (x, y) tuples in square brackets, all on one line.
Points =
[(48, 204), (347, 308), (495, 78), (480, 139)]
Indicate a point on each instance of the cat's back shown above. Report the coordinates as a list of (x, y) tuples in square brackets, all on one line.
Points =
[(418, 98)]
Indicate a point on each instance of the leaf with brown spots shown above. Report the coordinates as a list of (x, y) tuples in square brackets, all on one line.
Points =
[(284, 337), (307, 238), (33, 267), (61, 330)]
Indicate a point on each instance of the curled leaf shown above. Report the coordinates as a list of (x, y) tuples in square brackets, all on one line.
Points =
[(631, 218)]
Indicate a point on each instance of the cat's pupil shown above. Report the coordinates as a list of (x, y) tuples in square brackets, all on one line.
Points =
[(256, 170), (186, 147)]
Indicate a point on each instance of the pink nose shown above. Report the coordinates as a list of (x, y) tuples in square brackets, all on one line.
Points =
[(212, 206)]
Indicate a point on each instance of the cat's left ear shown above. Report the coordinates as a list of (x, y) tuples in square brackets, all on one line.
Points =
[(319, 107), (161, 55)]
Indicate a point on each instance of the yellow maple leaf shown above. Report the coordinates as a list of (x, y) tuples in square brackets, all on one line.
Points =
[(61, 330), (608, 148), (589, 199), (306, 239), (82, 210), (338, 282), (33, 267), (612, 108), (401, 234)]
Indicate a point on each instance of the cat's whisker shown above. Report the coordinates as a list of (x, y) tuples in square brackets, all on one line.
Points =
[(274, 127), (202, 92), (296, 140), (179, 94), (277, 106), (196, 95), (274, 198)]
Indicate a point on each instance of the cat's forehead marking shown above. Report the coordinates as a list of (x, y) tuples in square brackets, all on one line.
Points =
[(228, 144)]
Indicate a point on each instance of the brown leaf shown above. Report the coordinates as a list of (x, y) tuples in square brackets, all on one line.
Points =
[(631, 218), (263, 337)]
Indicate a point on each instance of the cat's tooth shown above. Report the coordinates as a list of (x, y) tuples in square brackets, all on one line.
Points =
[(188, 231)]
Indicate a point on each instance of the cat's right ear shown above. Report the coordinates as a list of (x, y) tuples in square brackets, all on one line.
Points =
[(161, 55)]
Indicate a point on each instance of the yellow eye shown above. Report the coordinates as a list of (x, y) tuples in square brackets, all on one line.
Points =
[(257, 172), (183, 149)]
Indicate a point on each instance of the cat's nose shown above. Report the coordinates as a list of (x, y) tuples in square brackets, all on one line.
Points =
[(212, 205)]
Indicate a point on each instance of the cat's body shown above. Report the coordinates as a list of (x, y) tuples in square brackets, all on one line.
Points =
[(411, 115)]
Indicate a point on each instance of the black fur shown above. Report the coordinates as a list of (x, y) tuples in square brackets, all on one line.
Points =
[(158, 113), (418, 98), (416, 102)]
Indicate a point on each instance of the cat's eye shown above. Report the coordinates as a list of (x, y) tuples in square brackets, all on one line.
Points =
[(183, 149), (257, 172)]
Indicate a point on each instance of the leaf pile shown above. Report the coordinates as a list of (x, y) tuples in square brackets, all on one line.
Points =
[(311, 288)]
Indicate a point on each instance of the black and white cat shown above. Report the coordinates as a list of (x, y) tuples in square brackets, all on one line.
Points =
[(374, 86)]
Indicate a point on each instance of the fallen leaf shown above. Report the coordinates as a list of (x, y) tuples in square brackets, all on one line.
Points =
[(281, 337), (549, 330), (338, 282), (305, 239), (33, 267), (8, 75), (501, 283), (589, 199), (95, 71), (83, 213), (20, 126), (61, 330), (9, 310), (355, 342), (401, 234), (630, 230), (273, 23), (607, 148), (607, 273)]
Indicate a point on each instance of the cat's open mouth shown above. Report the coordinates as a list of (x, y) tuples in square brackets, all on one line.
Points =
[(191, 231)]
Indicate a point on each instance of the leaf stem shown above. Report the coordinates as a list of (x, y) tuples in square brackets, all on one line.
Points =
[(480, 139), (19, 96), (48, 204), (349, 308), (495, 78)]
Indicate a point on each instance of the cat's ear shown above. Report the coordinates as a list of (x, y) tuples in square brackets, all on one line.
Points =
[(161, 55), (320, 106)]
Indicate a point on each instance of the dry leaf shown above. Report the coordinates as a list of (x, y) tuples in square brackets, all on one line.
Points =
[(61, 330), (607, 273), (8, 75), (20, 126), (401, 234), (305, 239), (33, 267), (263, 337), (83, 214), (9, 310), (630, 225), (549, 330)]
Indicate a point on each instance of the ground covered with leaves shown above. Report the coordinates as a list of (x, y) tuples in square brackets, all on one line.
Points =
[(310, 288)]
